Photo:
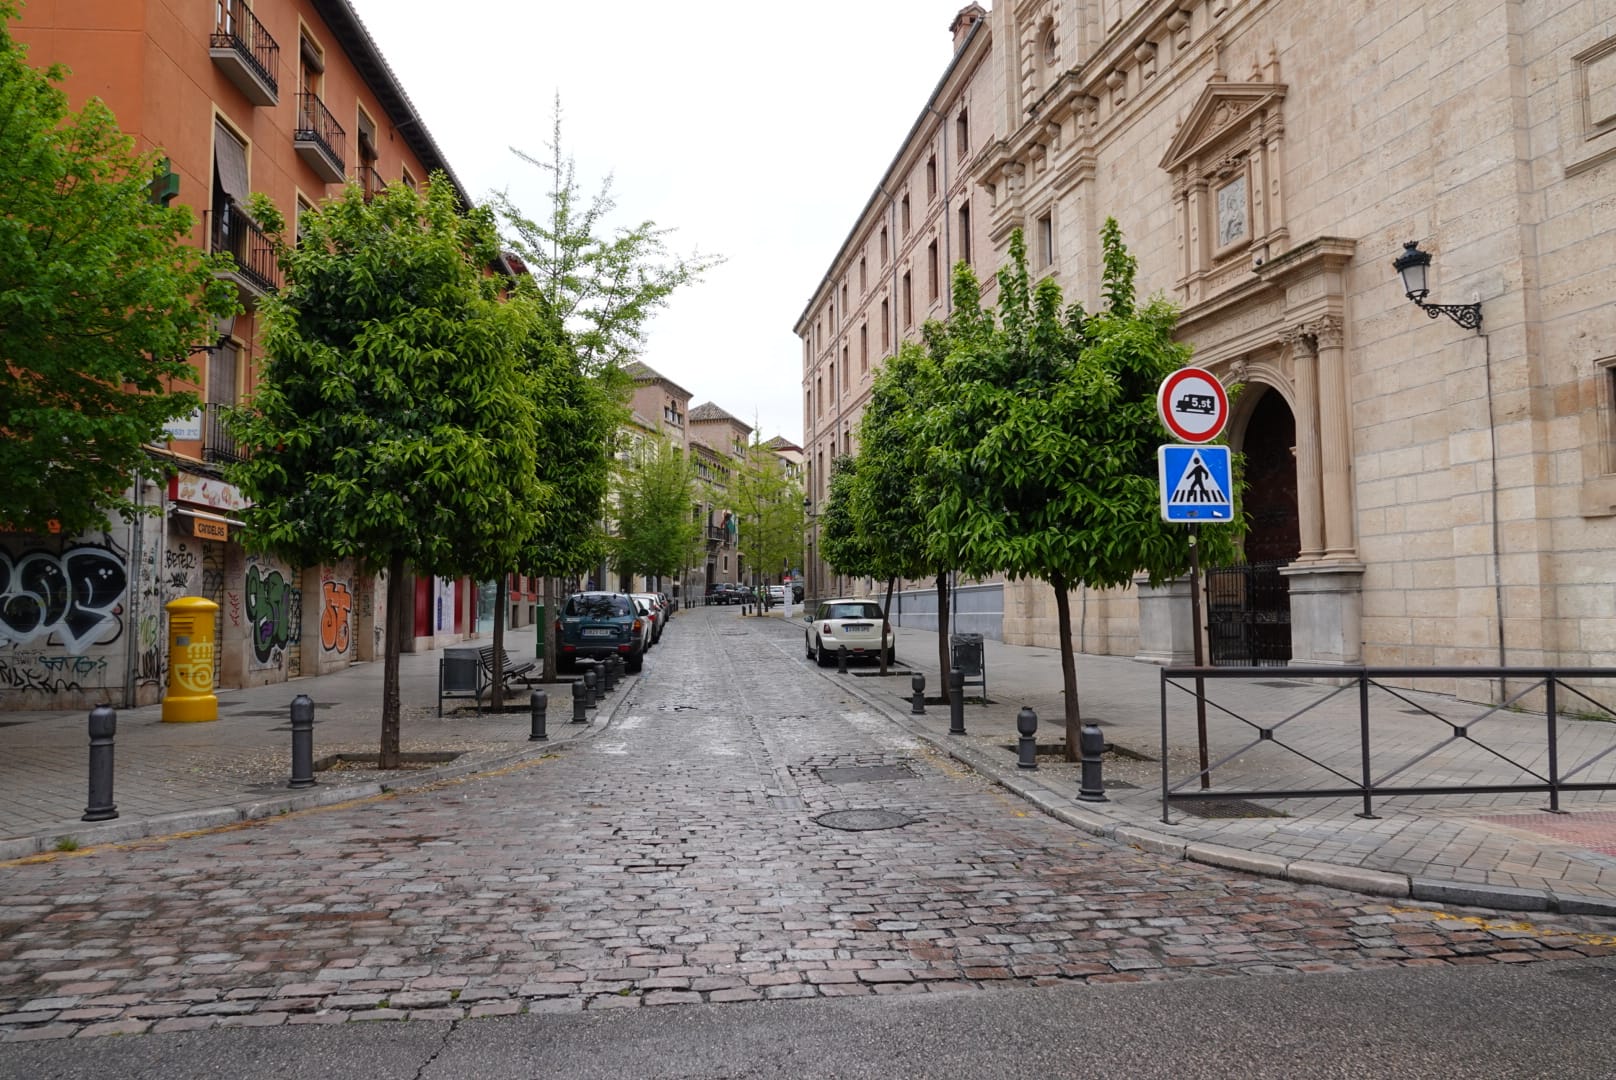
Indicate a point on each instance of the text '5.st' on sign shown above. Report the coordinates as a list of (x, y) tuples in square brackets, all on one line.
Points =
[(1196, 483)]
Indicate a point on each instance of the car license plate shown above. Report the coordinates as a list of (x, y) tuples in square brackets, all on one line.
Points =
[(599, 631), (857, 628)]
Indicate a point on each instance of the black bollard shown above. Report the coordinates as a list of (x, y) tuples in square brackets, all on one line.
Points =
[(579, 713), (302, 742), (841, 660), (539, 703), (956, 702), (1027, 745), (619, 669), (917, 704), (590, 681), (608, 674), (103, 727), (1092, 744)]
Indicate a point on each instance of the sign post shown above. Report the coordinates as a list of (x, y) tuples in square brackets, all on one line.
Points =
[(1197, 484)]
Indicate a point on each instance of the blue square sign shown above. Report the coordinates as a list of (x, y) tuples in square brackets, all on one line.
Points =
[(1196, 483)]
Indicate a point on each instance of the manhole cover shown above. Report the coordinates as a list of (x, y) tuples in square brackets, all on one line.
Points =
[(1224, 808), (858, 774), (864, 820)]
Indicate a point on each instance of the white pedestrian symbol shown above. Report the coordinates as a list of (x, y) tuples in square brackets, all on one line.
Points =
[(1196, 485)]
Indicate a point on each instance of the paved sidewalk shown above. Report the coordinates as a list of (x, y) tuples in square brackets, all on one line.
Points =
[(1494, 850), (176, 777)]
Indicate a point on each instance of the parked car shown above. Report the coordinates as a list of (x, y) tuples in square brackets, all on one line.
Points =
[(658, 611), (595, 625), (648, 620), (777, 594), (847, 623), (670, 603), (796, 591)]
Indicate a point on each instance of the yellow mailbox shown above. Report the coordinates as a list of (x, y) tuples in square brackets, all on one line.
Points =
[(190, 697)]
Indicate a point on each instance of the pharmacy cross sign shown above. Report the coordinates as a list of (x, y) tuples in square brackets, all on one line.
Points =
[(1192, 405)]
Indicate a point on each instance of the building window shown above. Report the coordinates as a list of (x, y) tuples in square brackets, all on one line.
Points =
[(406, 179), (931, 271), (962, 135), (819, 396), (883, 245), (965, 231), (312, 65), (931, 177), (864, 347), (908, 301), (864, 281), (369, 177), (1045, 232), (903, 216), (886, 325), (303, 207), (833, 378), (807, 404), (844, 301), (845, 367)]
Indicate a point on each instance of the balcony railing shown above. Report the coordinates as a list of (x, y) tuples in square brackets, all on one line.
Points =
[(245, 52), (717, 534), (217, 442), (319, 139), (370, 181), (232, 232)]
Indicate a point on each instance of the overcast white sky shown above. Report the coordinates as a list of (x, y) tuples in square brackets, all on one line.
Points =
[(755, 128)]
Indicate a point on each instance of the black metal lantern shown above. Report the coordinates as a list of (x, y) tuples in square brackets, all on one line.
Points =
[(1412, 266)]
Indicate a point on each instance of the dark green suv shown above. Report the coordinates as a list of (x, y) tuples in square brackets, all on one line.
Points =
[(595, 625)]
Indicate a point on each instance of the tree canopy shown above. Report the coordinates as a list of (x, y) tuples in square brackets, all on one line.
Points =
[(769, 505), (102, 301), (652, 496)]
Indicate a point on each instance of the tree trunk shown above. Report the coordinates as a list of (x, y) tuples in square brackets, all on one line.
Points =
[(886, 622), (547, 631), (496, 693), (1074, 719), (393, 643), (942, 632)]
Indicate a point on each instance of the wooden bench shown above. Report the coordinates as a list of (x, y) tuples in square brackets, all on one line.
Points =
[(512, 671)]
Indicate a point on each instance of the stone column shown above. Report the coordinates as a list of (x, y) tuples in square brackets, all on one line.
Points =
[(1336, 440), (1309, 484)]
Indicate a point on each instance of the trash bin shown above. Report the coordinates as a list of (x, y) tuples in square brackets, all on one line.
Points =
[(965, 654), (459, 672), (538, 637)]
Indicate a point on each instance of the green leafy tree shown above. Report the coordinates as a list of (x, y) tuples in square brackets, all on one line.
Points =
[(653, 493), (604, 284), (394, 422), (1046, 442), (769, 532), (101, 302)]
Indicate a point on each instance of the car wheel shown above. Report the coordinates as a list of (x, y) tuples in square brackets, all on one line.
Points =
[(823, 658), (892, 655), (634, 663), (566, 664), (807, 647)]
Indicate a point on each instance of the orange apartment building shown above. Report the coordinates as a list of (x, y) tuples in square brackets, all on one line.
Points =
[(293, 99)]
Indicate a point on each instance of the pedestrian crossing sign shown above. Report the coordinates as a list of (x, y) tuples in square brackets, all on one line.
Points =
[(1196, 483)]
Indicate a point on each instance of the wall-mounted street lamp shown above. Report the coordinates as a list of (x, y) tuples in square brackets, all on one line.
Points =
[(1411, 265), (225, 325)]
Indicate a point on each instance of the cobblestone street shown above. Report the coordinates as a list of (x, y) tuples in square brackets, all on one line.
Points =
[(674, 857)]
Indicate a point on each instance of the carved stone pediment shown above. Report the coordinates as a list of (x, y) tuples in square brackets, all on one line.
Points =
[(1221, 106)]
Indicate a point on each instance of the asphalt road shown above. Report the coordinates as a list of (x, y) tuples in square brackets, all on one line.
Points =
[(665, 898)]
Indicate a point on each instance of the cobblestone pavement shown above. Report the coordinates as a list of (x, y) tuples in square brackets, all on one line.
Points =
[(672, 858)]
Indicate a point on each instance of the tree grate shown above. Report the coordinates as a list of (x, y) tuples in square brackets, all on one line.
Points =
[(1224, 808), (858, 774)]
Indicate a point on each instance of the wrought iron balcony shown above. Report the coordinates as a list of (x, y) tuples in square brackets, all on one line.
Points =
[(319, 139), (370, 181), (217, 442), (245, 52), (232, 232)]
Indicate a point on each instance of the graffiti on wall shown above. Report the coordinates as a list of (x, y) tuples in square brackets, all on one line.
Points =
[(274, 614), (51, 673), (336, 605), (71, 600)]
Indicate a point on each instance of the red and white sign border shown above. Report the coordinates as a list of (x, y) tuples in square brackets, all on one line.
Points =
[(1164, 410)]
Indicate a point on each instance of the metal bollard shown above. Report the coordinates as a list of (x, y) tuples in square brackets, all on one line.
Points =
[(590, 681), (103, 727), (579, 713), (539, 703), (1027, 745), (619, 669), (841, 660), (302, 742), (917, 704), (608, 674), (1092, 744), (956, 702)]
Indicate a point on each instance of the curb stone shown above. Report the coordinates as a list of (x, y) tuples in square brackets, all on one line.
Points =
[(1494, 896), (1355, 878)]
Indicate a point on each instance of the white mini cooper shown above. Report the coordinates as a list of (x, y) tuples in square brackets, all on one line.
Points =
[(851, 624)]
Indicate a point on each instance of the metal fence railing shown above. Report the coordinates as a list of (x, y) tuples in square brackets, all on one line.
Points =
[(236, 27), (1347, 732)]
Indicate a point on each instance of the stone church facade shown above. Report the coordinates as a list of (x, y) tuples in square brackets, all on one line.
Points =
[(1423, 493)]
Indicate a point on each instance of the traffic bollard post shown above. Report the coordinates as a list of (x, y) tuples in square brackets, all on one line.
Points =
[(580, 714), (956, 702), (539, 703), (590, 681), (608, 675), (917, 703), (1027, 745), (302, 742), (1092, 744), (103, 728), (841, 660)]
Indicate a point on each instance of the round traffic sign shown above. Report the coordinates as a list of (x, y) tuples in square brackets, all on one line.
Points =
[(1192, 405)]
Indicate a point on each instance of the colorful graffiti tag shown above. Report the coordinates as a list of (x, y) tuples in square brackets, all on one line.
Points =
[(274, 613), (71, 599), (334, 625)]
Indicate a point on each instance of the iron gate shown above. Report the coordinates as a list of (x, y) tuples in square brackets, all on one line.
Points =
[(1248, 609)]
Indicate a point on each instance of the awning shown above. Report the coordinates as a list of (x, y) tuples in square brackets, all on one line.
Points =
[(230, 158), (186, 511)]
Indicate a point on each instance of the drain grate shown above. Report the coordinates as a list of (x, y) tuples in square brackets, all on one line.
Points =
[(864, 820), (858, 774), (1224, 808)]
